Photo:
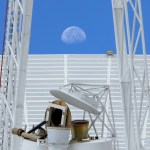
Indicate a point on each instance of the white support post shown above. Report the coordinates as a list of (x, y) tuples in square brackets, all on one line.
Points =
[(26, 113), (8, 77), (118, 16), (21, 77), (127, 42), (65, 69), (16, 45), (108, 83), (132, 79)]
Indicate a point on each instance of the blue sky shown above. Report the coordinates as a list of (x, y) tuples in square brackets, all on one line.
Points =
[(52, 17)]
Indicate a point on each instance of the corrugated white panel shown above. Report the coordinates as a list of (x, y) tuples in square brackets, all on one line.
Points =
[(46, 72), (117, 102), (139, 69)]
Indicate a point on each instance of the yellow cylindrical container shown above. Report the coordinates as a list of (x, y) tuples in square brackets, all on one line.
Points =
[(79, 129)]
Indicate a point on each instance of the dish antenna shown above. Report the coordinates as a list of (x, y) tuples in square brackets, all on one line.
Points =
[(93, 100)]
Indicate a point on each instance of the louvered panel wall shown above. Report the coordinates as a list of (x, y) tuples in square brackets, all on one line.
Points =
[(46, 72), (89, 69), (117, 102), (138, 61), (148, 129)]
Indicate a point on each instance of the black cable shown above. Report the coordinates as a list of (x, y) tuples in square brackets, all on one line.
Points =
[(37, 127)]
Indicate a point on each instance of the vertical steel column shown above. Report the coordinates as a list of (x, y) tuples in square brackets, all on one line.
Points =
[(118, 16), (16, 45), (65, 69), (146, 86), (127, 42), (21, 77), (132, 79), (8, 74)]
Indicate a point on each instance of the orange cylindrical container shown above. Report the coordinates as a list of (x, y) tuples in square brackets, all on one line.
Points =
[(79, 129)]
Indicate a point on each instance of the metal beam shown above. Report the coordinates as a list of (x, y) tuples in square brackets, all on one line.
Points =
[(127, 42), (21, 74), (118, 16)]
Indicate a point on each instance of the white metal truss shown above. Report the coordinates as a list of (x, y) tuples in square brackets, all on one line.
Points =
[(129, 34), (17, 36), (99, 98), (46, 72)]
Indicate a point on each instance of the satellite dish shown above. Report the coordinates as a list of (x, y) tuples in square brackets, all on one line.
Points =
[(75, 100), (89, 98)]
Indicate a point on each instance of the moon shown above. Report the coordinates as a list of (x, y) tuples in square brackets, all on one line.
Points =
[(72, 35)]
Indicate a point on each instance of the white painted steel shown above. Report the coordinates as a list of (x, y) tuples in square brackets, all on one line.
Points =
[(129, 34), (134, 76), (92, 145), (103, 144), (92, 99), (22, 70), (118, 15), (58, 135), (46, 72), (79, 70), (17, 36), (58, 139), (57, 147), (74, 99), (30, 145)]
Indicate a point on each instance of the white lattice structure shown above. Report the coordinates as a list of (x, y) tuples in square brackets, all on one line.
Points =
[(50, 71), (14, 64), (94, 100), (47, 72), (129, 34)]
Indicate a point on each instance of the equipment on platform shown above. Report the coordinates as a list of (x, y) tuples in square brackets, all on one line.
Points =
[(58, 120), (31, 135), (58, 138), (90, 99), (56, 134), (79, 130), (58, 114), (22, 133)]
